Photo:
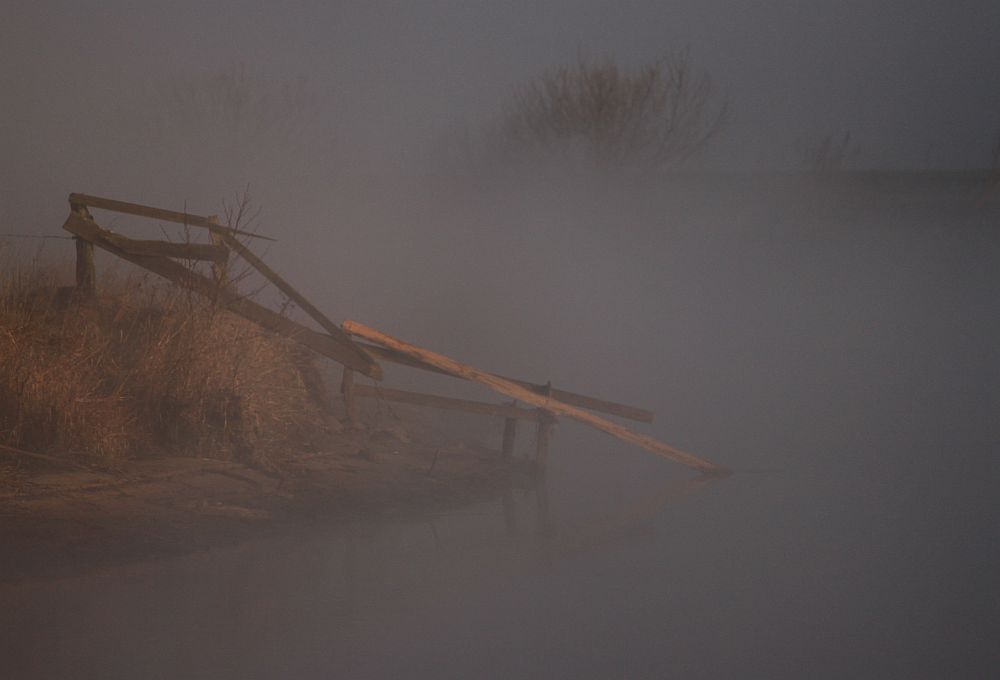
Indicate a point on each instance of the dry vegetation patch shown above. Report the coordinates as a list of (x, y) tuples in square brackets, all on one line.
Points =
[(146, 370)]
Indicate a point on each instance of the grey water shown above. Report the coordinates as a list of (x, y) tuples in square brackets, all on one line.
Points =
[(840, 355)]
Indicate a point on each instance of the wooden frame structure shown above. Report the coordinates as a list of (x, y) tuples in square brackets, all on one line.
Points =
[(344, 344)]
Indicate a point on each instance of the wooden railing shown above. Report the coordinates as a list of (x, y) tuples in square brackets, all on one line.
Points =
[(344, 344)]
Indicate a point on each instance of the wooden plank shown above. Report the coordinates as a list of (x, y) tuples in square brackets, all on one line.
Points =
[(571, 398), (529, 397), (168, 269), (186, 251), (159, 214), (448, 403)]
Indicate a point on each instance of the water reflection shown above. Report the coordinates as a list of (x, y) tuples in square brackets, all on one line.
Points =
[(312, 604)]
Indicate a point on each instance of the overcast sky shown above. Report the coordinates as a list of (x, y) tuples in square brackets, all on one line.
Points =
[(916, 83)]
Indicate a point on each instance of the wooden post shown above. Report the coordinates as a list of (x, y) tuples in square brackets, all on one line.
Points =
[(347, 390), (544, 435), (509, 434), (86, 272)]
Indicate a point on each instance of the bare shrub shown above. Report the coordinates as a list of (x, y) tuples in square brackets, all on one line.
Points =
[(661, 113)]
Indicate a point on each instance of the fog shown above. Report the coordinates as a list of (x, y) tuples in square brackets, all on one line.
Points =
[(833, 341)]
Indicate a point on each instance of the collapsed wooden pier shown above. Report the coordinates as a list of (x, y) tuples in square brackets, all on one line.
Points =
[(356, 347)]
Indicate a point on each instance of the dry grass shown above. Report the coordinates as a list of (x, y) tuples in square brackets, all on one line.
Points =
[(145, 370)]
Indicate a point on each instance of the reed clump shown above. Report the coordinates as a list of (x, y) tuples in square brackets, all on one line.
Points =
[(145, 369)]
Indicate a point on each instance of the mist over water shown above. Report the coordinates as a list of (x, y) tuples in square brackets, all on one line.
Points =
[(833, 343)]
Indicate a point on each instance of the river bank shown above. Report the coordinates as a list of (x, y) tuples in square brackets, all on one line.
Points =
[(62, 522)]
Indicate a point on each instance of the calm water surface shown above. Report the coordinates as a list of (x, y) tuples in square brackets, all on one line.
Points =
[(848, 375)]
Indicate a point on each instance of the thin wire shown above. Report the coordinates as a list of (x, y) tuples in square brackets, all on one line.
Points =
[(68, 238)]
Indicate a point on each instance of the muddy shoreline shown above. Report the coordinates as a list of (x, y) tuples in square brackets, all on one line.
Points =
[(65, 522)]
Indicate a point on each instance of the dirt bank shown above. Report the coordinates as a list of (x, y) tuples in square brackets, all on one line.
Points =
[(57, 521)]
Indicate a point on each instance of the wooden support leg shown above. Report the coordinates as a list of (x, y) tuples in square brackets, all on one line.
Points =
[(347, 390), (86, 273), (545, 426), (509, 435)]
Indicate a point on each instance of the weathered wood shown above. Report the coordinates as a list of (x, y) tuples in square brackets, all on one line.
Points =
[(571, 398), (546, 423), (448, 403), (509, 436), (168, 269), (186, 251), (529, 397), (159, 214), (86, 272)]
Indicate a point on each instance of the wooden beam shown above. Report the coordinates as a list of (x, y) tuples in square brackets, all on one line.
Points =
[(159, 214), (571, 398), (186, 251), (448, 403), (529, 397), (348, 355)]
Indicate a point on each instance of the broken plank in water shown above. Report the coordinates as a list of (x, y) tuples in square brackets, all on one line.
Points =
[(520, 393), (572, 398)]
